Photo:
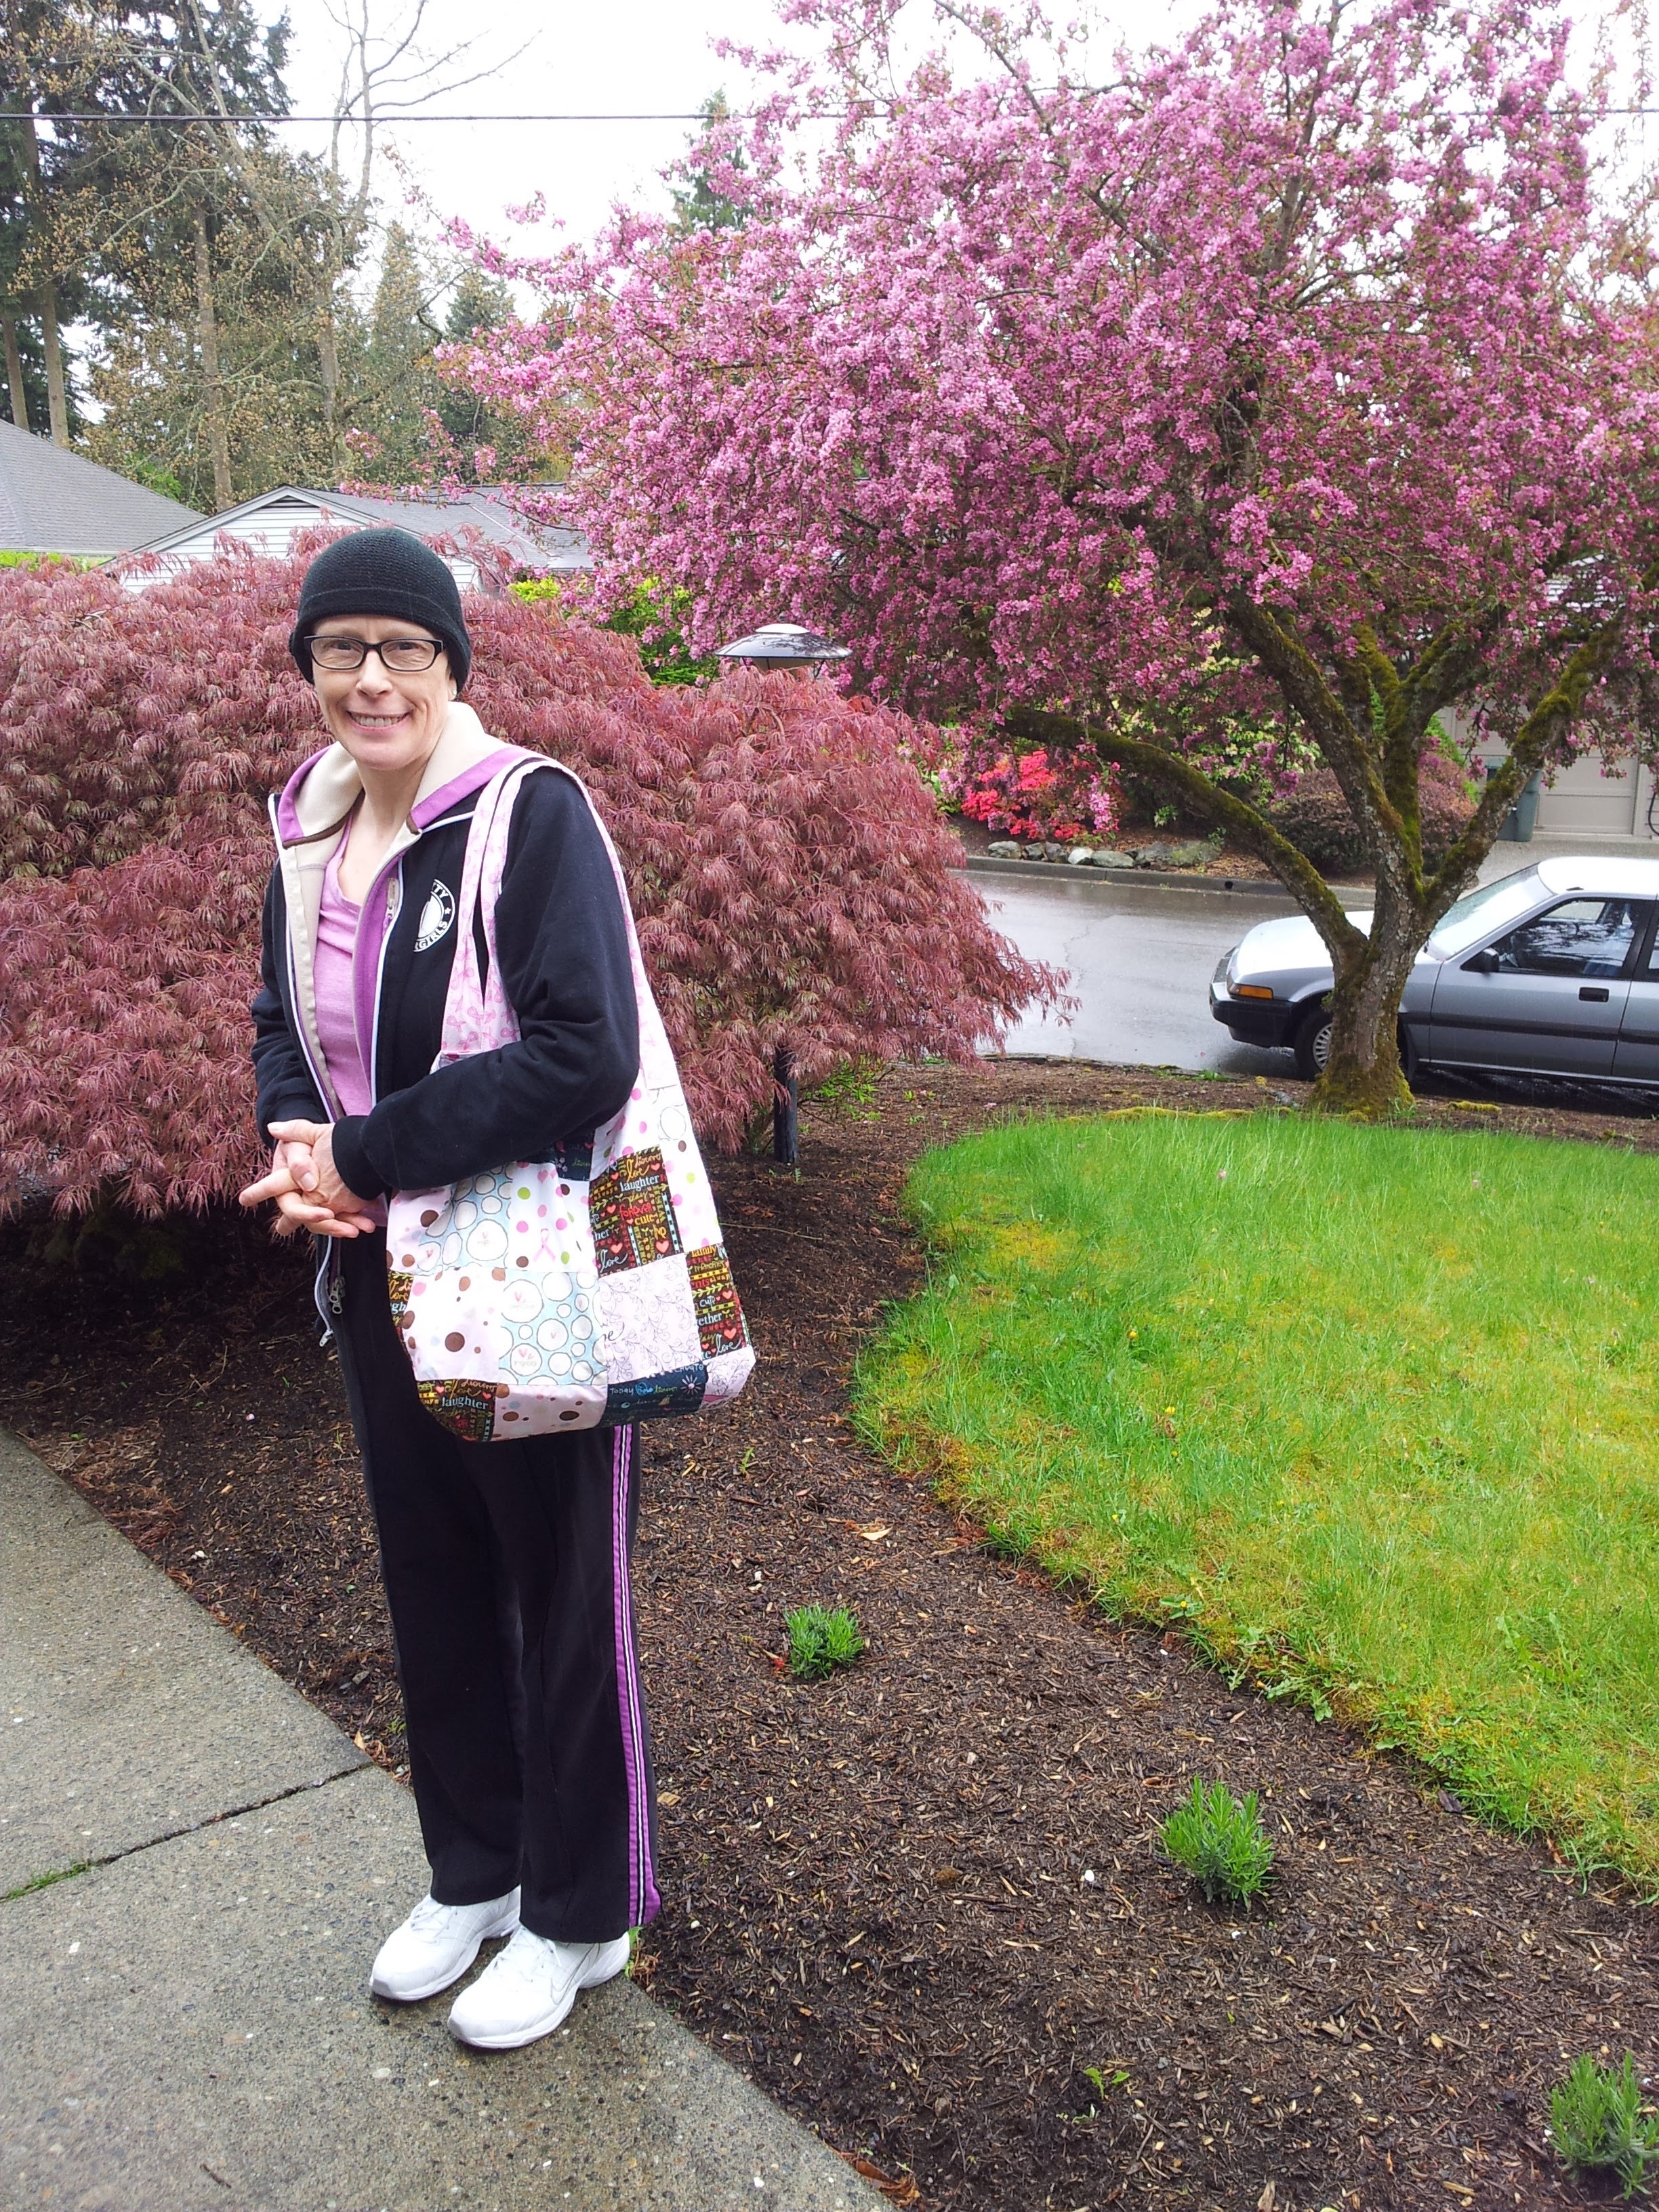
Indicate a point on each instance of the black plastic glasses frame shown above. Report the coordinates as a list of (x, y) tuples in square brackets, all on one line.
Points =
[(416, 654)]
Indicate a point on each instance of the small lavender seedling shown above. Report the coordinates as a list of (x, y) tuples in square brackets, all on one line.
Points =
[(1220, 1838), (821, 1638), (1598, 2124)]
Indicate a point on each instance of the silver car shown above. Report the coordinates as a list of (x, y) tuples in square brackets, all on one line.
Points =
[(1551, 971)]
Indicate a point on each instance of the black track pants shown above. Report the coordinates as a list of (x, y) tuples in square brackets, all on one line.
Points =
[(506, 1567)]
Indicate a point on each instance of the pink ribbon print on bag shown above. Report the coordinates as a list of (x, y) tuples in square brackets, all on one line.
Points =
[(581, 1291)]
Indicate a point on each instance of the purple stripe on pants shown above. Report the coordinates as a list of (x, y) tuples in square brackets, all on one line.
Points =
[(643, 1900)]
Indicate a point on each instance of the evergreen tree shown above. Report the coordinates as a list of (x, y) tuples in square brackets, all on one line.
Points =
[(711, 197), (213, 265), (206, 233), (481, 303), (397, 389), (50, 68)]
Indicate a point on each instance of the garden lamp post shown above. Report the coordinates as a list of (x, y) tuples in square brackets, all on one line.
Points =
[(786, 646), (786, 1108), (797, 651)]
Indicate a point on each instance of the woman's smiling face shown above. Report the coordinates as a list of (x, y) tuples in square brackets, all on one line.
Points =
[(388, 719)]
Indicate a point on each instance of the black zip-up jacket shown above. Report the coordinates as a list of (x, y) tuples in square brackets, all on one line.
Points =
[(563, 948)]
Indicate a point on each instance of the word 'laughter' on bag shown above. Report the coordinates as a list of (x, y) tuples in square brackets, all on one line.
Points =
[(579, 1292)]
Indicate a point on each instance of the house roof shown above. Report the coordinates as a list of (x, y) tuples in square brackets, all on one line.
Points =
[(271, 522), (56, 502)]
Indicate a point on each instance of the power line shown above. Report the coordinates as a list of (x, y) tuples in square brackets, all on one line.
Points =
[(397, 121), (158, 121)]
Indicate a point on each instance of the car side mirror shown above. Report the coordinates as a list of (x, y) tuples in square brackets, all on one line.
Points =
[(1483, 962)]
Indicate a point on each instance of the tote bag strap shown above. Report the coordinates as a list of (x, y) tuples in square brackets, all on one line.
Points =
[(477, 1013), (499, 1020)]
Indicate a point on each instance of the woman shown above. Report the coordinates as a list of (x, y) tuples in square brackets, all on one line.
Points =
[(506, 1565)]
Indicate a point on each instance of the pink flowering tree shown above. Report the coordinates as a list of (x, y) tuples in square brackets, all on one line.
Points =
[(1300, 380)]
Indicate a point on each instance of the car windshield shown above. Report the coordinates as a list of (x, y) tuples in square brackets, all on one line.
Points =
[(1483, 911)]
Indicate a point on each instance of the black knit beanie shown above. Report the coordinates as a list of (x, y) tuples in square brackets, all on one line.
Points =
[(383, 571)]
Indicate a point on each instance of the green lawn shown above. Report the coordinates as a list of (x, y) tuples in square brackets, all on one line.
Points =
[(1371, 1410)]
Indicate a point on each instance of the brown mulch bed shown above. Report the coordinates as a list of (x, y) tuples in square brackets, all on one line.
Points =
[(922, 1902)]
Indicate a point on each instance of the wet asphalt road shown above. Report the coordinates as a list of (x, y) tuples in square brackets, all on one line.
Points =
[(1140, 959)]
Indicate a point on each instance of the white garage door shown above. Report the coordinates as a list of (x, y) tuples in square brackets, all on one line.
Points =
[(1588, 800)]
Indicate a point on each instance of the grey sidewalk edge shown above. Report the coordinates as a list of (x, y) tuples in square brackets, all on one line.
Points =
[(191, 2027), (131, 1714), (186, 2021)]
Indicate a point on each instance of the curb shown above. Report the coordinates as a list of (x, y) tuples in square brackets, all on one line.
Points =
[(981, 864)]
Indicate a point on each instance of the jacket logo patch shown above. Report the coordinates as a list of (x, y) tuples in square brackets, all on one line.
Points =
[(436, 916)]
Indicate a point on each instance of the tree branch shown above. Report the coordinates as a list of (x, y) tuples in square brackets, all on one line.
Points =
[(1543, 729), (1253, 830)]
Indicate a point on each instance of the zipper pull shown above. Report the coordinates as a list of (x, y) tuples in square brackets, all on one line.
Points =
[(337, 1296)]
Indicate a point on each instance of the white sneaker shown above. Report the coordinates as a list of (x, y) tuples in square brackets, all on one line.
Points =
[(526, 1990), (436, 1945)]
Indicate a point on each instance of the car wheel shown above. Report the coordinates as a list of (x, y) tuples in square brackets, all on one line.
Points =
[(1313, 1044)]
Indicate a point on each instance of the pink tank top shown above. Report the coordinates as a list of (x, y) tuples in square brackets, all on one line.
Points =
[(336, 1027)]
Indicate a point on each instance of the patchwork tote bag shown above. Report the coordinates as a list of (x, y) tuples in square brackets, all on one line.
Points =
[(583, 1290)]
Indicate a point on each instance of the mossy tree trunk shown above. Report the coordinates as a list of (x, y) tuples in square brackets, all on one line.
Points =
[(1370, 720), (57, 392), (213, 409), (17, 402)]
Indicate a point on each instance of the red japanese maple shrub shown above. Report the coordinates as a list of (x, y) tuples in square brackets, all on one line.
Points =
[(129, 716), (793, 885)]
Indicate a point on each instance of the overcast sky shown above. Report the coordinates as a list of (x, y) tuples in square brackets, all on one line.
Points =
[(651, 57)]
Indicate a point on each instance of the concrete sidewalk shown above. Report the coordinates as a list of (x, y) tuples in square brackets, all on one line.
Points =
[(196, 1868)]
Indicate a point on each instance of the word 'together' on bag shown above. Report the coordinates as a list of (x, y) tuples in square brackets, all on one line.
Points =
[(583, 1289)]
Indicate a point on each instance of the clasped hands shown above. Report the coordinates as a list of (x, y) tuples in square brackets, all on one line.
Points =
[(307, 1186)]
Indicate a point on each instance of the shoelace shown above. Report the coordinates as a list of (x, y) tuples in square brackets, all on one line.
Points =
[(430, 1916), (526, 1955)]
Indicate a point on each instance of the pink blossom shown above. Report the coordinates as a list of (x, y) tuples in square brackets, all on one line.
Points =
[(1300, 375)]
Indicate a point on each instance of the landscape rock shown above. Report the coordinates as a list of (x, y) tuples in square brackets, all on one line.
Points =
[(1005, 849), (1107, 856), (1191, 853), (1035, 852), (1079, 856), (1053, 850)]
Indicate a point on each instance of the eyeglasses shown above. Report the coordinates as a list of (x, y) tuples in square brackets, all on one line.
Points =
[(408, 656)]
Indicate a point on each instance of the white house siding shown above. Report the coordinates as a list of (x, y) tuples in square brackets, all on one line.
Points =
[(270, 523)]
